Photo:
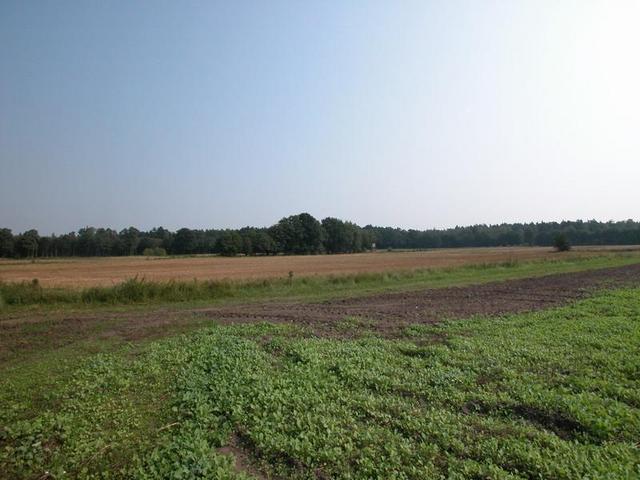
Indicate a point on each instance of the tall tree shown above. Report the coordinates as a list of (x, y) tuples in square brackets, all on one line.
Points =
[(298, 234), (130, 238), (184, 241), (230, 243), (28, 244), (262, 243), (343, 237), (6, 243)]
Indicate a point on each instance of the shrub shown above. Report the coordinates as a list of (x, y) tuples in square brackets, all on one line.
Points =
[(561, 243)]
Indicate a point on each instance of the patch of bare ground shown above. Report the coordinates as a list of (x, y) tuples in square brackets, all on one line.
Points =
[(559, 423), (385, 314), (21, 336), (243, 463)]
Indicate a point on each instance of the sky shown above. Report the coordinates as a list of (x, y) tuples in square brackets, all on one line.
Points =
[(417, 114)]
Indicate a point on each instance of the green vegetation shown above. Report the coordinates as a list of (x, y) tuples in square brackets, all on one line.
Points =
[(140, 291), (561, 243), (154, 252), (303, 234), (553, 394)]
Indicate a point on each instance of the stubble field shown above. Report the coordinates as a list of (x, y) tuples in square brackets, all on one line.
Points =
[(87, 272)]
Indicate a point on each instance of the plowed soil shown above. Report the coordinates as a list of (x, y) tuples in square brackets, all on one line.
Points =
[(393, 310)]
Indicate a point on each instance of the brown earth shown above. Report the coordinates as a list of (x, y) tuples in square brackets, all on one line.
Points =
[(83, 272), (384, 313), (390, 311), (243, 463)]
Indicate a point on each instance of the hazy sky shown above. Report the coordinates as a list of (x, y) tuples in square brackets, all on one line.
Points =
[(224, 114)]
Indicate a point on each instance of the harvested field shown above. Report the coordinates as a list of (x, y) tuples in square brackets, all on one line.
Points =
[(84, 272)]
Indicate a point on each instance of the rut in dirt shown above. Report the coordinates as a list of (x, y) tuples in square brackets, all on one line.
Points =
[(392, 311)]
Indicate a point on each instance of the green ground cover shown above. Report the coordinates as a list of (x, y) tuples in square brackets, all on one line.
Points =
[(552, 394)]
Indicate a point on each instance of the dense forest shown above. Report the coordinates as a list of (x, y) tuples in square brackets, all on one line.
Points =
[(303, 234)]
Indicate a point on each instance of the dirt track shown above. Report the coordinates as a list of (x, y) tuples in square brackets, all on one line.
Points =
[(388, 312)]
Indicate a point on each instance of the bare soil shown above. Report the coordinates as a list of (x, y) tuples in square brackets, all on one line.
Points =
[(391, 311), (85, 272), (386, 314), (243, 462)]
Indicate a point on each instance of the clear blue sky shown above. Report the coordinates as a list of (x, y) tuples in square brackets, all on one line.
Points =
[(224, 114)]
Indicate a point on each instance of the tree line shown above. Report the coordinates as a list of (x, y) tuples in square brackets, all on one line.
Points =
[(303, 234)]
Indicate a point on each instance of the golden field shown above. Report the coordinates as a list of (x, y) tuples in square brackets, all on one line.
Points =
[(83, 272)]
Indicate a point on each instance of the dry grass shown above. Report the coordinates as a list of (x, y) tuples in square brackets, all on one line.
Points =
[(85, 272)]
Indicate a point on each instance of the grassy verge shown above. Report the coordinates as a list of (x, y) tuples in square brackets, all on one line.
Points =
[(140, 292), (553, 394)]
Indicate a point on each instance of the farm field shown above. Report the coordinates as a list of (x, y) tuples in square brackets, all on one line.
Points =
[(85, 272), (511, 370), (319, 241)]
